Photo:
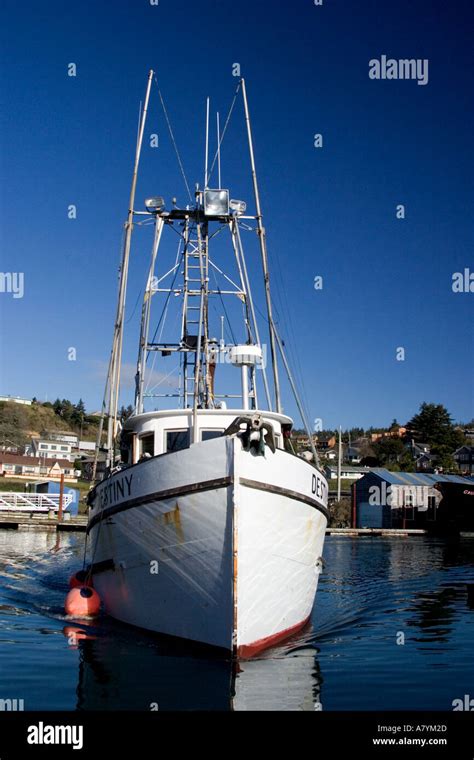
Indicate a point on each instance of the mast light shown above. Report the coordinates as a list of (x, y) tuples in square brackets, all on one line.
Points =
[(216, 202), (238, 207), (155, 204)]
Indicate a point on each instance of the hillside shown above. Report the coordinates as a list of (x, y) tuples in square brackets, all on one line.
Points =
[(18, 424)]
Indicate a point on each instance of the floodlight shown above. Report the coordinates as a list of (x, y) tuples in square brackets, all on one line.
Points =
[(239, 207), (155, 204), (216, 202)]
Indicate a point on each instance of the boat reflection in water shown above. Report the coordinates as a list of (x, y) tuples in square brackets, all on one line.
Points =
[(119, 672)]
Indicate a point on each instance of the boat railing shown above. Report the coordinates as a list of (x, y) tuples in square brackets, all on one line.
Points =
[(33, 502)]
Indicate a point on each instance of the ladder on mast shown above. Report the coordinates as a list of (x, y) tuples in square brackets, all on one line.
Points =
[(195, 313)]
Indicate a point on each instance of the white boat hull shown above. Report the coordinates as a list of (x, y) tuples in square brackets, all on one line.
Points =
[(212, 544)]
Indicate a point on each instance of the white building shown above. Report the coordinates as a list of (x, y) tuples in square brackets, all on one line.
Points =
[(347, 472), (87, 447), (64, 436), (49, 449), (16, 400)]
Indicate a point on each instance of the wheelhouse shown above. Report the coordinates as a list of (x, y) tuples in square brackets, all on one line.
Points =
[(162, 432)]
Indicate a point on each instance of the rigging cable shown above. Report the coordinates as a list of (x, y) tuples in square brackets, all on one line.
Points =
[(224, 308), (224, 130), (174, 141)]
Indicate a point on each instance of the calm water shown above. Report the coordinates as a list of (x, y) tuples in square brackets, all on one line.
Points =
[(373, 592)]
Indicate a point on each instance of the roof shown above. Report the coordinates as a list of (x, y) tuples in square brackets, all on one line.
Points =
[(348, 468), (415, 478), (47, 431), (33, 461)]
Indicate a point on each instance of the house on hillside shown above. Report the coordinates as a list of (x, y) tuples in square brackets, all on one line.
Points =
[(49, 448), (62, 436), (398, 432), (426, 463), (303, 440), (464, 458), (17, 400), (353, 455), (417, 449), (87, 447), (21, 466), (384, 499), (325, 442)]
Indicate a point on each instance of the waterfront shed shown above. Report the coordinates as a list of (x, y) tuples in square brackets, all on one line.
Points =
[(385, 499)]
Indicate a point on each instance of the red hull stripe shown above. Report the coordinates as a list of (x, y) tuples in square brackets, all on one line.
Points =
[(250, 650)]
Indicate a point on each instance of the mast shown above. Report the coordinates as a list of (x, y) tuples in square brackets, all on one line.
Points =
[(218, 150), (339, 463), (263, 248), (145, 321), (206, 160), (118, 329)]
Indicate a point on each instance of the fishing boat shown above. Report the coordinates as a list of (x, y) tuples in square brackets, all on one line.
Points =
[(206, 525)]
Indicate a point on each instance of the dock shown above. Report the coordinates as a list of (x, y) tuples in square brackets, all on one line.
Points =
[(385, 532), (40, 521)]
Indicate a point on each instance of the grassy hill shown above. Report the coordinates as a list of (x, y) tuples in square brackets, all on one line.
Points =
[(18, 424)]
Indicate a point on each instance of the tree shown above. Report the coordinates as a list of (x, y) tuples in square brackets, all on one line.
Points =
[(340, 513), (356, 432), (78, 413), (433, 425), (125, 412), (388, 452), (57, 406)]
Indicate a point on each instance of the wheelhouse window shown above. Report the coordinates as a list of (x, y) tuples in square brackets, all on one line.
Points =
[(147, 444), (177, 440), (126, 447), (208, 435)]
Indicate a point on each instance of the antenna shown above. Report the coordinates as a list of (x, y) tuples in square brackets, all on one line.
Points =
[(207, 145), (218, 150), (264, 255)]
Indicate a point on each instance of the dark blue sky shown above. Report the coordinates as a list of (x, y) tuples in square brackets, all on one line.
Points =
[(329, 211)]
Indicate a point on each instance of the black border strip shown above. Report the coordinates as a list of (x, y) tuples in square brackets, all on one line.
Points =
[(101, 567), (258, 486), (169, 493)]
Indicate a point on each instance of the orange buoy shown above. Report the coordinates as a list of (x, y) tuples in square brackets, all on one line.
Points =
[(82, 602), (81, 578)]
